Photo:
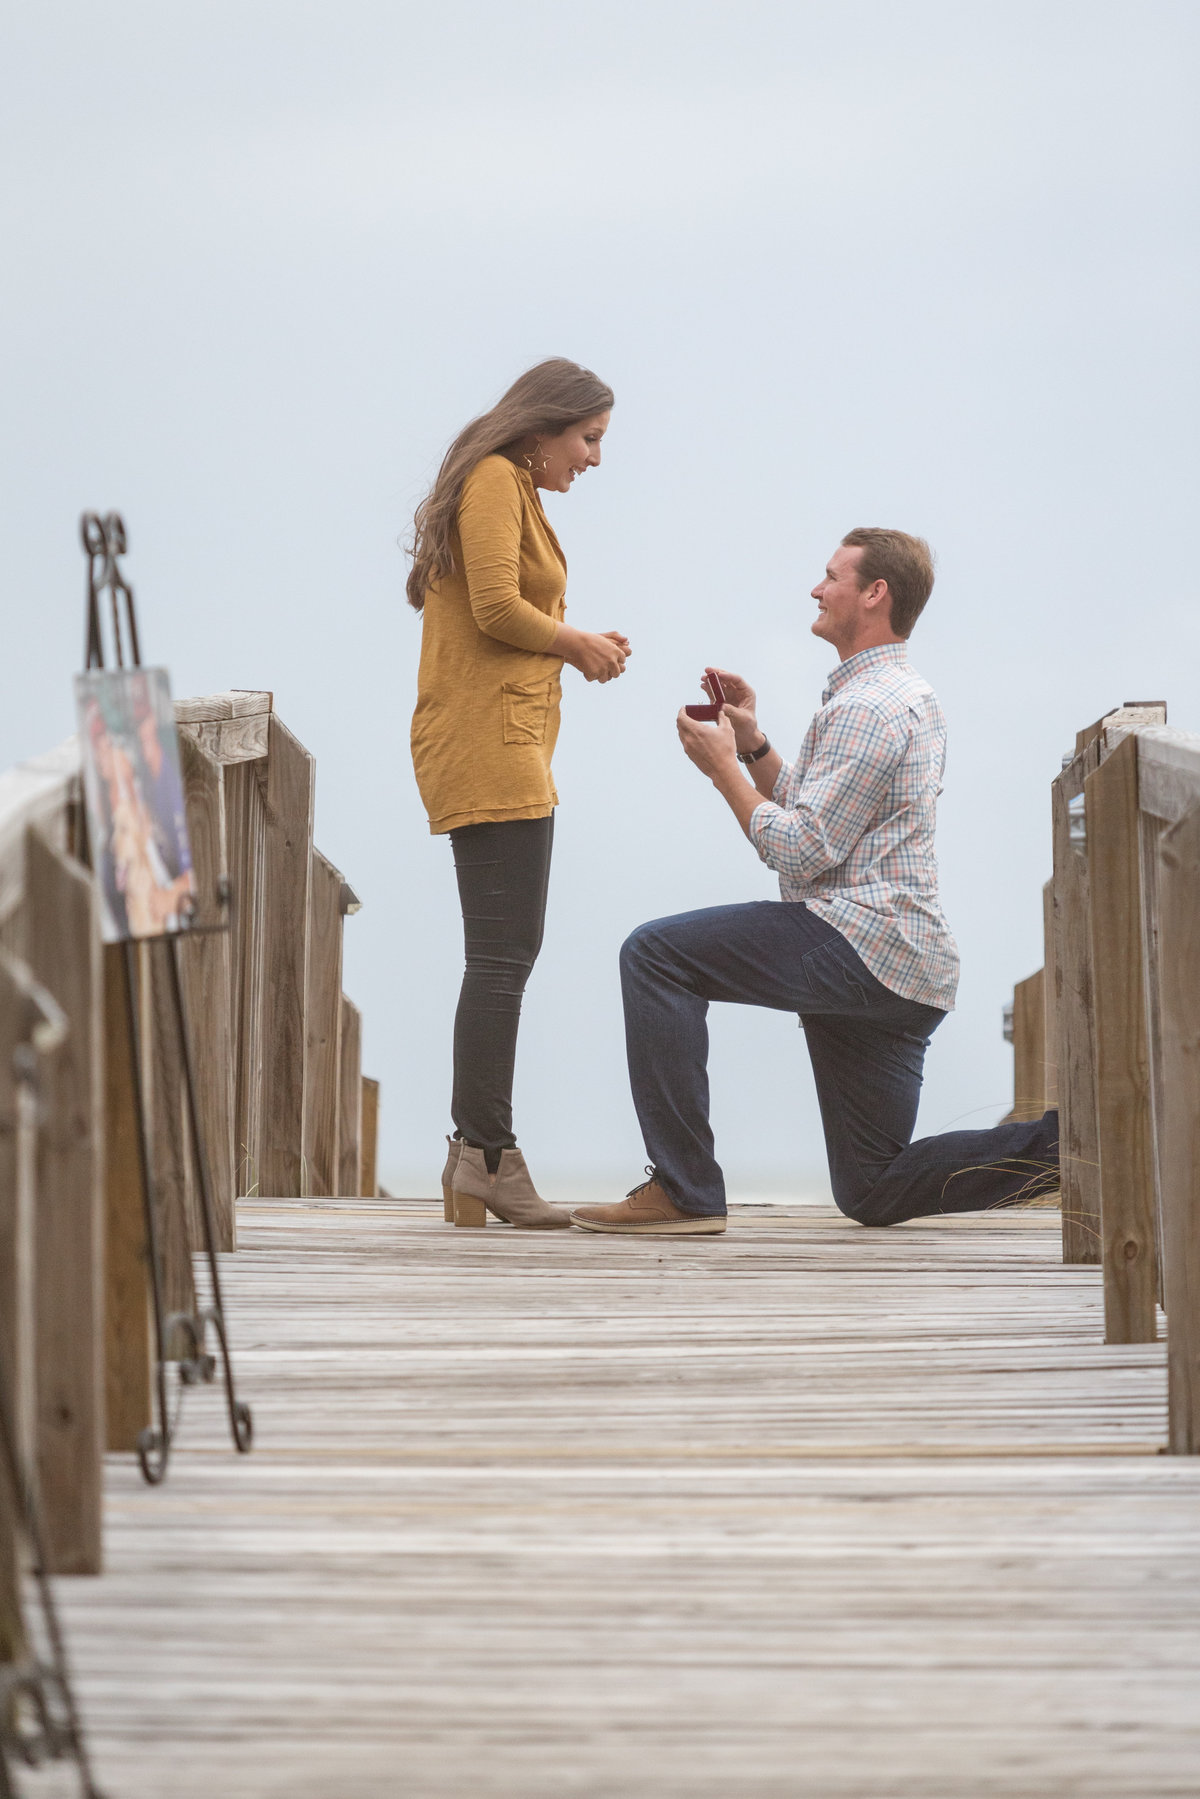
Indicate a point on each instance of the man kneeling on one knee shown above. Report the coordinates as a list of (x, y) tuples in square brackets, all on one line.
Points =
[(856, 944)]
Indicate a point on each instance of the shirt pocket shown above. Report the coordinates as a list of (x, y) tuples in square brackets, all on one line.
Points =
[(526, 710)]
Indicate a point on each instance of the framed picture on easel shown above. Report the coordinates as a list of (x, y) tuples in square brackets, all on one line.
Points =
[(133, 787)]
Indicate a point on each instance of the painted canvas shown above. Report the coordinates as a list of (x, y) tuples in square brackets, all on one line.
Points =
[(133, 788)]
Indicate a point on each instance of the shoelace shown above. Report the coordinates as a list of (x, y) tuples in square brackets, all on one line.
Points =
[(634, 1191)]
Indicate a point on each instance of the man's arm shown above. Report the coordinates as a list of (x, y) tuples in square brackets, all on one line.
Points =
[(849, 773)]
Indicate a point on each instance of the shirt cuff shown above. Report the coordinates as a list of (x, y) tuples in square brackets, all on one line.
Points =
[(786, 771)]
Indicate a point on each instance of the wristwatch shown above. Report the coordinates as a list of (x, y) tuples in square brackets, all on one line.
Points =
[(755, 755)]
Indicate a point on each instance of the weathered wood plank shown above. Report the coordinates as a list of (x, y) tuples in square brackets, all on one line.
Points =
[(128, 1336), (369, 1176), (16, 1300), (206, 962), (350, 1099), (230, 739), (1127, 1199), (786, 1502), (1075, 1026), (1051, 991), (237, 702), (288, 873), (1179, 1121), (1029, 1048), (323, 1012), (246, 832), (162, 1086), (65, 956)]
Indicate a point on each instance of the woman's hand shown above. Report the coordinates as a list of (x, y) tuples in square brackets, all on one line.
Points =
[(740, 708), (598, 655)]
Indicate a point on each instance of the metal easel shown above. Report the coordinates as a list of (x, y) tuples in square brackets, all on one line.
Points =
[(104, 541)]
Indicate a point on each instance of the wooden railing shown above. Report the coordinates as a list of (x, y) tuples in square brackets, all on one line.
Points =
[(1109, 1030), (280, 1092)]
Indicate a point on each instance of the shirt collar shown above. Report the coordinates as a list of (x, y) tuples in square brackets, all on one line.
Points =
[(855, 667)]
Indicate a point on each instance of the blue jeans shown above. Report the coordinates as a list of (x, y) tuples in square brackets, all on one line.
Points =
[(867, 1048)]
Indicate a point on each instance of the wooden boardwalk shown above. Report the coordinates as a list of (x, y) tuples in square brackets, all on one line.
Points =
[(804, 1510)]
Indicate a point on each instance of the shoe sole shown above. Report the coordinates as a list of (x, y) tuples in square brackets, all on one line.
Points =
[(663, 1227)]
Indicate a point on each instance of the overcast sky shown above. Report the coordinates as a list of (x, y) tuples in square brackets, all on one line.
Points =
[(916, 264)]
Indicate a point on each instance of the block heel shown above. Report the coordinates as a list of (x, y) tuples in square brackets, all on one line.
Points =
[(469, 1211)]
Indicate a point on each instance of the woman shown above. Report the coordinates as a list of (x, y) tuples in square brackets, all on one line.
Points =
[(489, 577)]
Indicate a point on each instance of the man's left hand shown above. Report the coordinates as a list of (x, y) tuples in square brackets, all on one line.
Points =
[(713, 748)]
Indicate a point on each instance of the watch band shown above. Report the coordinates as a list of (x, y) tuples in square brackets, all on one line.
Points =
[(758, 754)]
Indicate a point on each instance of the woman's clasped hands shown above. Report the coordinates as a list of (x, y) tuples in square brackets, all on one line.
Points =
[(598, 655)]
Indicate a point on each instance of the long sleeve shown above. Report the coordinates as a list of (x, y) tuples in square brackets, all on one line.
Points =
[(489, 526), (838, 799)]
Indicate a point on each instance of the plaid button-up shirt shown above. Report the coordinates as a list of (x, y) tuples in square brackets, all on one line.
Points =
[(849, 829)]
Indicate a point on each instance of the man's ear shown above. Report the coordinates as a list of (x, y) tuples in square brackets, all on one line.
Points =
[(878, 595)]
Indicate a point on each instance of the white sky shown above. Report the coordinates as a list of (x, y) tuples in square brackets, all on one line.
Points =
[(926, 265)]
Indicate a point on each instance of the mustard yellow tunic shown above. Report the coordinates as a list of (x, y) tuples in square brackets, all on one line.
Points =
[(488, 691)]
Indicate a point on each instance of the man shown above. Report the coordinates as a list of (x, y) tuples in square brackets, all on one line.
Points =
[(856, 944)]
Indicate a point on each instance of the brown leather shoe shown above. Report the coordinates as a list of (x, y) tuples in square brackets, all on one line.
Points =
[(648, 1211)]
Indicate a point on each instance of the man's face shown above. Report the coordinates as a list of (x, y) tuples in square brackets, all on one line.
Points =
[(839, 597)]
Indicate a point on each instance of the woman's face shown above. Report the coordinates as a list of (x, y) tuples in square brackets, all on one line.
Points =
[(561, 458)]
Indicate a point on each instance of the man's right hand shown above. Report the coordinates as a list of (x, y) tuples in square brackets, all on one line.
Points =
[(740, 703)]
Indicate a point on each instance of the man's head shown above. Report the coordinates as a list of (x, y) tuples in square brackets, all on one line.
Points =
[(875, 588)]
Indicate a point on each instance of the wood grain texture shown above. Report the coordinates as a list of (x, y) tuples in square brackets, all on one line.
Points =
[(162, 1084), (1029, 1048), (1127, 1197), (1051, 990), (350, 1100), (323, 1023), (236, 702), (1075, 1025), (804, 1510), (246, 834), (128, 1340), (1179, 1121), (231, 739), (16, 1306), (287, 877), (206, 963), (368, 1180), (65, 956)]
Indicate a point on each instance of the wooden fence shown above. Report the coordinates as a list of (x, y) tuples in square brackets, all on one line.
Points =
[(1109, 1031), (280, 1092)]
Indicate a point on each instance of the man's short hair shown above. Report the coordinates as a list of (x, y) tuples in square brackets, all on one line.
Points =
[(904, 562)]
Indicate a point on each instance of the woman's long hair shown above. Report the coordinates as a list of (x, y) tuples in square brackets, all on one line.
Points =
[(544, 400)]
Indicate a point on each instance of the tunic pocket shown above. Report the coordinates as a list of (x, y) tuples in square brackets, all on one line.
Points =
[(526, 707)]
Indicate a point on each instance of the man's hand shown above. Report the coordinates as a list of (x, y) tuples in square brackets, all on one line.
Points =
[(740, 708), (713, 748)]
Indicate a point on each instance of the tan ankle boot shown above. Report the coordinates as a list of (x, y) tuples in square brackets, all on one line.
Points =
[(508, 1194), (453, 1148)]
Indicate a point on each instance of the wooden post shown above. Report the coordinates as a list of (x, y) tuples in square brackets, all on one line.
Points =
[(1051, 987), (1127, 1199), (162, 1087), (1179, 1121), (64, 955), (289, 804), (1075, 1029), (369, 1177), (16, 1307), (206, 968), (350, 1092), (323, 1020), (1029, 1048), (246, 827), (128, 1332)]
